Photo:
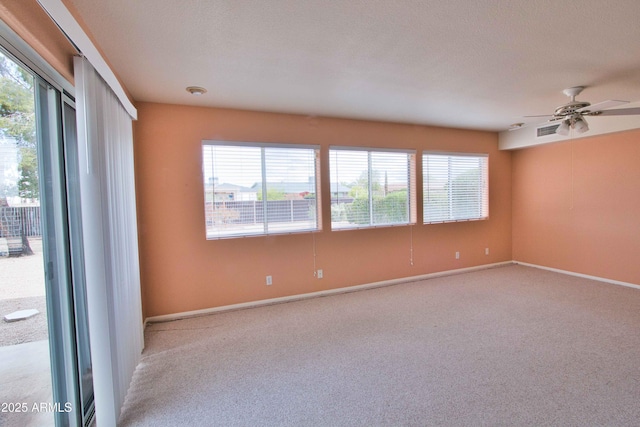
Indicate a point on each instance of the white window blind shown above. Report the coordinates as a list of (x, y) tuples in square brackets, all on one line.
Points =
[(257, 189), (455, 187), (371, 187), (110, 239)]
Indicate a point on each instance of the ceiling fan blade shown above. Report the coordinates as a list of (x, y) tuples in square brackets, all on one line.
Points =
[(604, 105), (618, 112), (541, 115)]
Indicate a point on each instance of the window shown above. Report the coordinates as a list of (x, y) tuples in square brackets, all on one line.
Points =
[(455, 187), (371, 187), (257, 189)]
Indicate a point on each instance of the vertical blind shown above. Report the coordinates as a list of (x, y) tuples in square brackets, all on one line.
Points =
[(455, 187), (110, 239), (256, 189), (371, 187)]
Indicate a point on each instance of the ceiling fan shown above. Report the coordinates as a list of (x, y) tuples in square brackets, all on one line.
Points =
[(572, 113)]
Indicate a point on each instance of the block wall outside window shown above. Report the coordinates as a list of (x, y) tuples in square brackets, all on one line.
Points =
[(258, 189)]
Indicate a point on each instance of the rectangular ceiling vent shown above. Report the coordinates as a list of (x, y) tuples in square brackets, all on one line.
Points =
[(547, 130)]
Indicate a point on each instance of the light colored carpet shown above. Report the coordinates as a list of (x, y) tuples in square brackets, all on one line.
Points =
[(499, 347)]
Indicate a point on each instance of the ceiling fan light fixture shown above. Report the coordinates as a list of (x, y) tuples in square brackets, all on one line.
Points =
[(564, 128), (580, 125), (572, 114)]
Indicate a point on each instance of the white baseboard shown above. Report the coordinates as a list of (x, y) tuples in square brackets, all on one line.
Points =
[(584, 276), (252, 304)]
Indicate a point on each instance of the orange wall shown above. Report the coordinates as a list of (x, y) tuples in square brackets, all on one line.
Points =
[(576, 206), (27, 19), (182, 271)]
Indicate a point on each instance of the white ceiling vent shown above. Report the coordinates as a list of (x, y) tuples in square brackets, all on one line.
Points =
[(546, 130)]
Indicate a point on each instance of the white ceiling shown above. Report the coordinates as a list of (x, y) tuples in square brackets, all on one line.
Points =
[(479, 64)]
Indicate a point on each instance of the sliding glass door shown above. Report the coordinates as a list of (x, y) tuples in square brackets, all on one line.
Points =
[(52, 180), (63, 259), (25, 369)]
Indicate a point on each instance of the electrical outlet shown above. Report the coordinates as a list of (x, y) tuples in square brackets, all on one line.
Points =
[(486, 251), (457, 255), (320, 275), (269, 280)]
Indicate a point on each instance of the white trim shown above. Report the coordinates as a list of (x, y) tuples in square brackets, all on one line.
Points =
[(583, 276), (271, 301), (70, 27)]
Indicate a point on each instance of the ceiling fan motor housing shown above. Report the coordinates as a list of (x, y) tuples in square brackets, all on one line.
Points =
[(572, 114), (570, 108)]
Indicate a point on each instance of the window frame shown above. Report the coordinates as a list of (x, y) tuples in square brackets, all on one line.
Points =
[(484, 201), (264, 231), (411, 186)]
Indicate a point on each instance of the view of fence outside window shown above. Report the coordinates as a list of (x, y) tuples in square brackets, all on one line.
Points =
[(19, 187), (455, 187), (262, 188), (257, 189), (371, 187)]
